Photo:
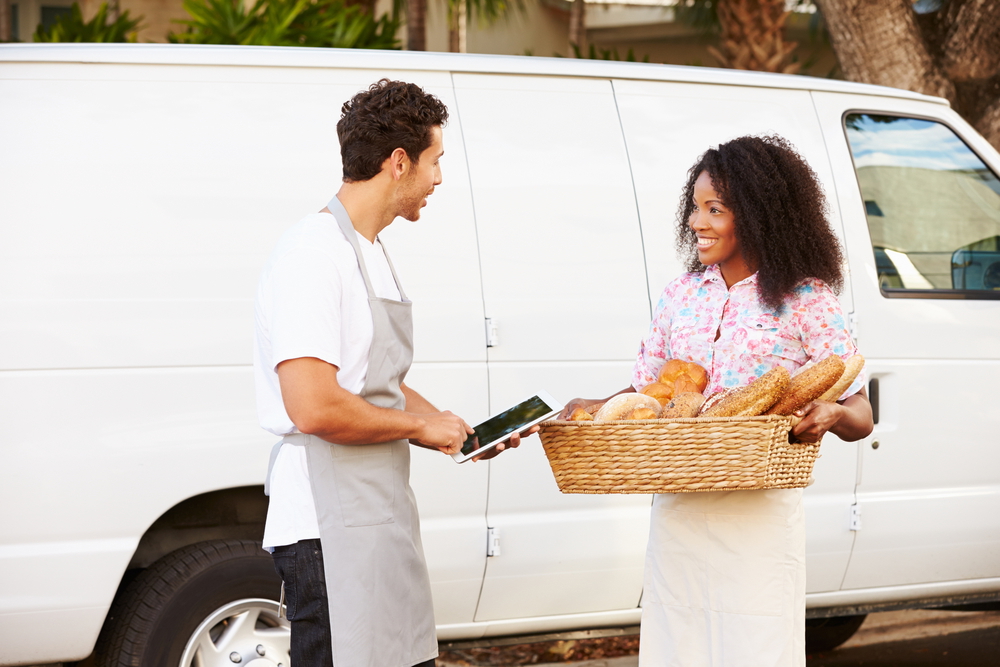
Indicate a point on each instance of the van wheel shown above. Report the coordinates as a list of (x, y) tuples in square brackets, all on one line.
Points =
[(210, 604), (826, 634)]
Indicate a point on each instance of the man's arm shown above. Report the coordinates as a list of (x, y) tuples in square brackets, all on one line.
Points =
[(318, 405)]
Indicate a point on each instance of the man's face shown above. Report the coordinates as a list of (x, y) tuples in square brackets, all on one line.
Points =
[(421, 179)]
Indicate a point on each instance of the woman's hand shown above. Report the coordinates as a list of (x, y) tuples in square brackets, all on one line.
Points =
[(849, 420), (513, 442)]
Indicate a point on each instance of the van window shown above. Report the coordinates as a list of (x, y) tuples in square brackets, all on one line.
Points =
[(933, 208)]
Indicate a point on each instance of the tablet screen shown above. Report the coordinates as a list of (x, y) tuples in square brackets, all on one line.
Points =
[(505, 423)]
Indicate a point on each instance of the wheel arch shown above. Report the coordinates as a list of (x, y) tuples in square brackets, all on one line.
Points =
[(233, 513)]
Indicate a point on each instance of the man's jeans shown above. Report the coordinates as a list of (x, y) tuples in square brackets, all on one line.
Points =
[(300, 566)]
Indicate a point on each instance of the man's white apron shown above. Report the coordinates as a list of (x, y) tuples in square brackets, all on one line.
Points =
[(381, 613), (725, 581)]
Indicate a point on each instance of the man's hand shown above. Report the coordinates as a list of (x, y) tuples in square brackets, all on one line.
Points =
[(443, 431)]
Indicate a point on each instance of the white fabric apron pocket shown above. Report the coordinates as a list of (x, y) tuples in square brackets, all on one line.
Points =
[(364, 483)]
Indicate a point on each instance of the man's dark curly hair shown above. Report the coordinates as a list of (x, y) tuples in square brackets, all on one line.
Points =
[(779, 213), (387, 116)]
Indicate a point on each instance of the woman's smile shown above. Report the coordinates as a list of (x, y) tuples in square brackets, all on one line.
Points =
[(715, 227)]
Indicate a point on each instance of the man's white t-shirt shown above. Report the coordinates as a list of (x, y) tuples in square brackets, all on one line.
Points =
[(311, 302)]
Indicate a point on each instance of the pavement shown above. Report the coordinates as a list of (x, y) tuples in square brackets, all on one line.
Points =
[(915, 626)]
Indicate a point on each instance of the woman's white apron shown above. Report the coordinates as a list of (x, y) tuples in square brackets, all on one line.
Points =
[(724, 581), (381, 613)]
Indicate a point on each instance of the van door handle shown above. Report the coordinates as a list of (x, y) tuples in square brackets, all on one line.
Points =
[(873, 398)]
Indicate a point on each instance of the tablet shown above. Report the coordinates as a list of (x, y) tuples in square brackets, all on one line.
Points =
[(532, 410)]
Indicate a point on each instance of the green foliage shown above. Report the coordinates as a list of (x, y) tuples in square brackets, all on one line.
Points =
[(595, 53), (72, 28), (330, 23)]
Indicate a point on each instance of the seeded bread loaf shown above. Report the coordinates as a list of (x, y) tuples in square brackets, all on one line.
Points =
[(809, 385), (753, 399), (684, 405), (852, 367)]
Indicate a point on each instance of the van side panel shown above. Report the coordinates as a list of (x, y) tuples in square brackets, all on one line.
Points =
[(564, 282), (140, 202), (667, 127), (929, 494)]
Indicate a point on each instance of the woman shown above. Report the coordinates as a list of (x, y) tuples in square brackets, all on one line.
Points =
[(725, 571)]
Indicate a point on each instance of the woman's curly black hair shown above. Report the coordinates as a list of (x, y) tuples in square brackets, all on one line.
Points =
[(779, 214)]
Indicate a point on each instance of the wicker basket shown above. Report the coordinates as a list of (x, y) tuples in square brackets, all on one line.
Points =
[(677, 455)]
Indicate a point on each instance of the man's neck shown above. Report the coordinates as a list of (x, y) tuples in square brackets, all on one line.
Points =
[(367, 207)]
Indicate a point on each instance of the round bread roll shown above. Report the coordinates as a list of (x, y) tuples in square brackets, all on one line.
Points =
[(699, 375), (622, 405), (685, 385), (642, 413), (672, 370), (661, 392)]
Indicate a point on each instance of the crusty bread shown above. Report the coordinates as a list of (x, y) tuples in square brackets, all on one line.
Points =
[(753, 399), (642, 413), (661, 392), (809, 385), (684, 405), (622, 405), (581, 415), (713, 399), (852, 367)]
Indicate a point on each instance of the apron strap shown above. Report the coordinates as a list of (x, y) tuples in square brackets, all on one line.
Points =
[(344, 221)]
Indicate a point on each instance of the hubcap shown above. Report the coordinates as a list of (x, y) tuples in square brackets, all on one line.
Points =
[(245, 632)]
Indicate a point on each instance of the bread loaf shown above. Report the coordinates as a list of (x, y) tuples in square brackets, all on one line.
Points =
[(684, 405), (642, 413), (713, 399), (622, 405), (809, 385), (852, 367), (661, 392), (581, 415), (753, 399)]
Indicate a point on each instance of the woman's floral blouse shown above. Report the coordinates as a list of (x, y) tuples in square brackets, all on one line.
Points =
[(751, 339)]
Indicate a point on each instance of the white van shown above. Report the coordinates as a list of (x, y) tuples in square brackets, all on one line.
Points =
[(143, 186)]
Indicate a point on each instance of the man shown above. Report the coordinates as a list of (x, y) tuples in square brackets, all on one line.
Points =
[(333, 343)]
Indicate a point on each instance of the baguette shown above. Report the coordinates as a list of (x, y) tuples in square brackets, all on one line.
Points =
[(852, 367), (809, 385), (622, 405), (753, 399)]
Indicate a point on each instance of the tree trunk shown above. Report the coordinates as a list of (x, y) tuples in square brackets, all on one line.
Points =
[(457, 24), (416, 25), (952, 53), (5, 24), (970, 48), (578, 27), (880, 43), (753, 36)]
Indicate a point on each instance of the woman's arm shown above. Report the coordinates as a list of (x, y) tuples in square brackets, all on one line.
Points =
[(849, 420)]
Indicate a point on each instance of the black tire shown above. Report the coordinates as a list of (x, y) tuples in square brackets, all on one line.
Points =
[(826, 634), (153, 619)]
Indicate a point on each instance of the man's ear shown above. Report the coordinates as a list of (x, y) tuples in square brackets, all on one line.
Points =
[(399, 164)]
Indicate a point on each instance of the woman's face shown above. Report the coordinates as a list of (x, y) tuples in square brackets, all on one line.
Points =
[(715, 227)]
